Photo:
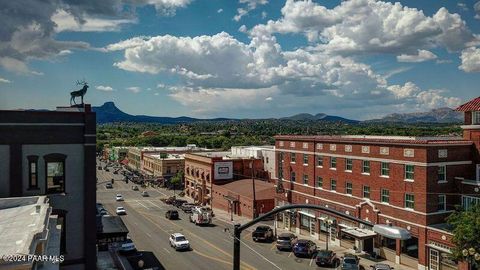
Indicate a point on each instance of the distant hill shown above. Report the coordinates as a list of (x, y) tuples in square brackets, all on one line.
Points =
[(440, 115), (109, 113), (319, 117)]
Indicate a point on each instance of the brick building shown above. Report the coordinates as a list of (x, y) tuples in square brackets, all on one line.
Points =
[(404, 186), (237, 197), (163, 165), (202, 170)]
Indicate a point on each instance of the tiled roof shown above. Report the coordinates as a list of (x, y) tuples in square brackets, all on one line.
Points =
[(375, 139), (472, 105)]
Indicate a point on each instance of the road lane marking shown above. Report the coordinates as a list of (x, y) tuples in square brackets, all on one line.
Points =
[(145, 214), (289, 254), (148, 234), (142, 204), (167, 250), (273, 246), (311, 260), (153, 204), (260, 255)]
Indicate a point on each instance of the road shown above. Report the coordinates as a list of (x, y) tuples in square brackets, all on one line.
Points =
[(212, 247)]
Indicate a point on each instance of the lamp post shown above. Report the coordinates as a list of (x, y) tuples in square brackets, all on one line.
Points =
[(471, 255), (253, 185)]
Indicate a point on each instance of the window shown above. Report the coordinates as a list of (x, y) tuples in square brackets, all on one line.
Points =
[(442, 203), (333, 162), (292, 144), (476, 118), (320, 161), (305, 179), (292, 176), (333, 184), (319, 146), (32, 172), (319, 182), (305, 159), (169, 170), (385, 196), (55, 173), (366, 166), (349, 188), (305, 145), (409, 201), (385, 169), (349, 164), (281, 157), (366, 192), (442, 173), (409, 172), (293, 157)]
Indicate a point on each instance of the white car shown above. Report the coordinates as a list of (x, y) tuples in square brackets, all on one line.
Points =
[(119, 197), (121, 211), (179, 242), (128, 247)]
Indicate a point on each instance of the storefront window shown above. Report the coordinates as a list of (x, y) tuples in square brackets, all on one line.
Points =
[(410, 247), (389, 243)]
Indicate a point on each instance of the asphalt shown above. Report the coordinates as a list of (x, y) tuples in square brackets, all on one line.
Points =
[(212, 246)]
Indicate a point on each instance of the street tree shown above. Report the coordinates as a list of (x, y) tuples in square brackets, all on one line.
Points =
[(465, 224)]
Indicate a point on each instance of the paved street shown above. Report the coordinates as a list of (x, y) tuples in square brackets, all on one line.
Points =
[(212, 248)]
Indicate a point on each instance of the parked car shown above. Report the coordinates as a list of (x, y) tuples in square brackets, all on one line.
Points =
[(108, 185), (381, 266), (179, 242), (187, 207), (305, 248), (327, 258), (262, 233), (145, 194), (350, 262), (99, 168), (128, 247), (119, 197), (286, 241), (178, 202), (121, 211), (171, 214), (135, 187)]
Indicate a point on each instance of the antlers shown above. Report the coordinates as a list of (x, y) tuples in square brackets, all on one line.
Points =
[(82, 82)]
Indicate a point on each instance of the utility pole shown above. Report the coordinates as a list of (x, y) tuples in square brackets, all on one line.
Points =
[(253, 184)]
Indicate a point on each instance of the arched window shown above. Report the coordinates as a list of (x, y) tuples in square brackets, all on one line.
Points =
[(32, 172)]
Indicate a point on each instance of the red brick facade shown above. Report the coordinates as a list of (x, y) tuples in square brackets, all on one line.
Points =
[(420, 159)]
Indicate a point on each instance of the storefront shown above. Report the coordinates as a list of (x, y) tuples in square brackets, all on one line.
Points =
[(357, 238), (439, 257), (388, 244)]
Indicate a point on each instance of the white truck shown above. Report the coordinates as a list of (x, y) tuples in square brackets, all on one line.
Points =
[(201, 215)]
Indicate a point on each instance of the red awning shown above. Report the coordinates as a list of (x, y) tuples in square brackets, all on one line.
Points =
[(124, 162)]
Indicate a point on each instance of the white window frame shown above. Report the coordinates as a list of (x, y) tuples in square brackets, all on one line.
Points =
[(333, 183), (319, 158), (412, 172), (305, 179), (469, 201), (349, 190), (385, 195), (305, 145), (409, 201), (347, 161), (387, 169), (444, 202), (293, 157), (475, 117), (293, 177), (331, 163), (305, 156), (364, 191), (444, 173), (364, 162), (319, 180)]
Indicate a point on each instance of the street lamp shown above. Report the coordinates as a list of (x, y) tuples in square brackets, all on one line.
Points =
[(329, 222), (471, 255), (253, 185)]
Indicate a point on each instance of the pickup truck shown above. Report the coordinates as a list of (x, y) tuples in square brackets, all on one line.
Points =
[(262, 233)]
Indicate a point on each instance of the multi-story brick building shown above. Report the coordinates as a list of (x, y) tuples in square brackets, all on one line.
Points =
[(404, 186), (202, 170)]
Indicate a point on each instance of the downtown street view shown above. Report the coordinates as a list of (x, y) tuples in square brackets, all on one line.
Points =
[(245, 134)]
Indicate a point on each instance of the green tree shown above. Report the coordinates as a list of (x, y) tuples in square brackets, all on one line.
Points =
[(466, 224)]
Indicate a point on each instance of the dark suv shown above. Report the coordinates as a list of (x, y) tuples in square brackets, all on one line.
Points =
[(262, 233), (171, 214), (286, 241), (327, 258), (304, 248)]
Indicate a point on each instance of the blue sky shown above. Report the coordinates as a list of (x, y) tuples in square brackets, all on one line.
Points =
[(250, 58)]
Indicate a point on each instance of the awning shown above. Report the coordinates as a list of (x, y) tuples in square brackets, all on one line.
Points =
[(359, 233), (230, 198), (392, 231), (124, 162), (306, 214)]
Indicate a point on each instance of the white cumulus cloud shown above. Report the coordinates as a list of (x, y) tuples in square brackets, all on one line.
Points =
[(470, 60), (134, 89), (249, 5), (2, 80), (104, 88), (422, 56)]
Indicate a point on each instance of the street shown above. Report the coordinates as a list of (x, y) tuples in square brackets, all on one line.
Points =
[(212, 247)]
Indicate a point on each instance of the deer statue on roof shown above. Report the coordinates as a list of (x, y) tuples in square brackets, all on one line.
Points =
[(79, 93)]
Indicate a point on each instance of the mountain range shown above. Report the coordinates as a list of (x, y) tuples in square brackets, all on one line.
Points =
[(109, 112)]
